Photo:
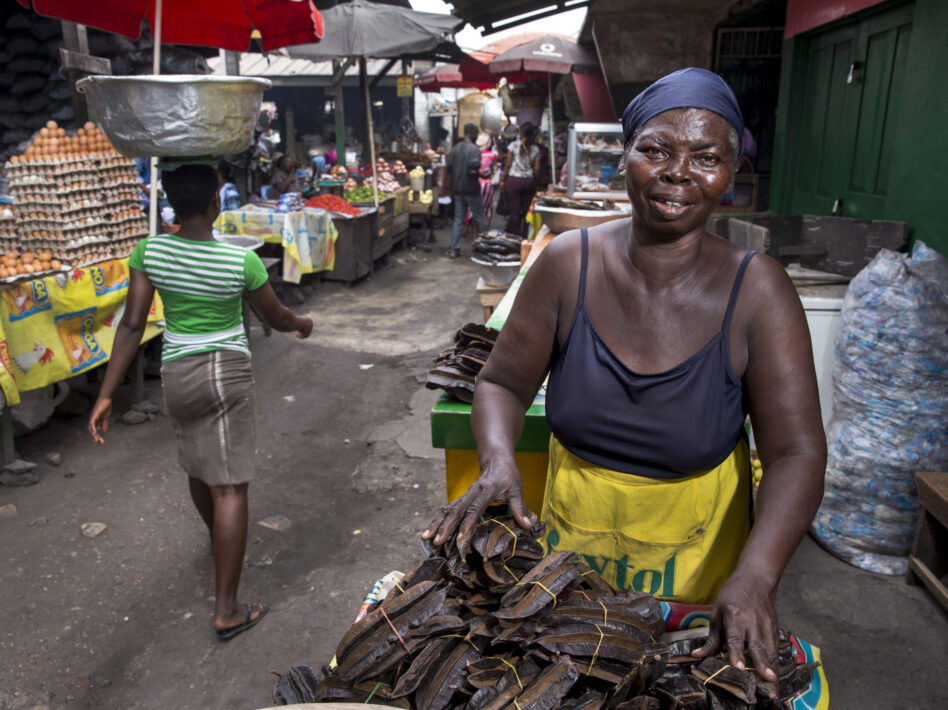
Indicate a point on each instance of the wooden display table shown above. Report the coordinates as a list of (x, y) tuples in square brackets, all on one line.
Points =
[(490, 295), (928, 562)]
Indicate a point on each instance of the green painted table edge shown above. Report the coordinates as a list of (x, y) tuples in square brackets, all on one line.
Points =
[(451, 427)]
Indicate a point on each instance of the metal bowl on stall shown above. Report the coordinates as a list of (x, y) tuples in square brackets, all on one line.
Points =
[(492, 116), (176, 115), (562, 219)]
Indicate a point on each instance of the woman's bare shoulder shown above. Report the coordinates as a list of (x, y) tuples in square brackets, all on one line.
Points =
[(564, 249)]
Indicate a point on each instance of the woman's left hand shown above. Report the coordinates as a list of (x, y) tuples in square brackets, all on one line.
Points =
[(744, 620)]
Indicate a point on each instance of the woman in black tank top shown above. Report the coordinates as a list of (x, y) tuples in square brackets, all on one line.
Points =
[(639, 299)]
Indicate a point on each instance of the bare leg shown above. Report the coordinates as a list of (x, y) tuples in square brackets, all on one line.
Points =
[(230, 541), (203, 501)]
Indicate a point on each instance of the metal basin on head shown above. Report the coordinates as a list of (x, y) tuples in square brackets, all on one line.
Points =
[(176, 115)]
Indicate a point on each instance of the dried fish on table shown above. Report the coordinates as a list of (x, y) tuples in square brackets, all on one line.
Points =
[(498, 626)]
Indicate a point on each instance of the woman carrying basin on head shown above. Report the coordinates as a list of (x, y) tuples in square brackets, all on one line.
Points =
[(205, 371), (659, 338)]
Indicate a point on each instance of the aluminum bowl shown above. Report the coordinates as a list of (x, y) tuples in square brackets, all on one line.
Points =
[(176, 115), (492, 116), (561, 219)]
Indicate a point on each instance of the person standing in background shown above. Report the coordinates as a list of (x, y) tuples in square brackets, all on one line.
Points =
[(464, 162), (330, 154), (519, 180), (283, 178), (489, 175), (230, 198)]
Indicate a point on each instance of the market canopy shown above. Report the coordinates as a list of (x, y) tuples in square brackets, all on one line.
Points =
[(549, 54), (373, 30), (502, 15), (225, 24), (471, 73)]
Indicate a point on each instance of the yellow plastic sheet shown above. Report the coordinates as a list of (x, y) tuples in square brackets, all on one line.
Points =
[(308, 236), (54, 327)]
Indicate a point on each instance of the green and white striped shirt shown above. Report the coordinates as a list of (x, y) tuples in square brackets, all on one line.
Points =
[(201, 285)]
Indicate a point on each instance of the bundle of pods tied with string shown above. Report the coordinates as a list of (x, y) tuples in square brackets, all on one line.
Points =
[(456, 368), (499, 625)]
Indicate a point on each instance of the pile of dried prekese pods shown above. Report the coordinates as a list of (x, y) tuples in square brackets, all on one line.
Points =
[(501, 626)]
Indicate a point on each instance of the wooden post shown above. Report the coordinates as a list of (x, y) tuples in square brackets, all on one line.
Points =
[(367, 102), (7, 449), (76, 40), (338, 68)]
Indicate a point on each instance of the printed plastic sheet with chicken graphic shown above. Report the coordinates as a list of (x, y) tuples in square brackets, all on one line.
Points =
[(58, 326), (308, 236)]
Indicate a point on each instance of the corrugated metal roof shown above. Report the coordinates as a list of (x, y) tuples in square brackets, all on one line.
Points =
[(491, 16), (276, 66)]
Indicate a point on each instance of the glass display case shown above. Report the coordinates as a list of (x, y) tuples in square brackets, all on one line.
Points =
[(593, 155)]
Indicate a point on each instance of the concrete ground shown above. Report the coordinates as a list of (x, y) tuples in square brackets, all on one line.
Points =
[(346, 481)]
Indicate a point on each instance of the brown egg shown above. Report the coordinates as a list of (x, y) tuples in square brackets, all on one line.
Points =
[(20, 269), (55, 264), (51, 124), (4, 273), (88, 125)]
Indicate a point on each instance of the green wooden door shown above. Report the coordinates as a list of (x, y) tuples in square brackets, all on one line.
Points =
[(853, 78)]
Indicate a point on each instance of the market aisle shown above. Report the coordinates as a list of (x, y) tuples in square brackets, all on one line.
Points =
[(123, 620)]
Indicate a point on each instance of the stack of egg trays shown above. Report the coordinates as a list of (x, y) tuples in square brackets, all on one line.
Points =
[(85, 209), (9, 233)]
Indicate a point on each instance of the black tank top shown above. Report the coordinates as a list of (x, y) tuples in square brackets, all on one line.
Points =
[(667, 425)]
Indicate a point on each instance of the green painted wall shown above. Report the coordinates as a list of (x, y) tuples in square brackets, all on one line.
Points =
[(917, 184)]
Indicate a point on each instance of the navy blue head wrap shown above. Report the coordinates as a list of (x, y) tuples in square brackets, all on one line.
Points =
[(685, 88)]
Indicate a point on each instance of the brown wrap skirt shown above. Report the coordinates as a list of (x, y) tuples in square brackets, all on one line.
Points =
[(211, 403)]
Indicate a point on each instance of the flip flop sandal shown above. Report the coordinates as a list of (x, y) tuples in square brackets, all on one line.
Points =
[(231, 631)]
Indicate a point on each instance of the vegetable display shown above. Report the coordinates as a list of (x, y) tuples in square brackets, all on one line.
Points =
[(333, 203), (364, 194)]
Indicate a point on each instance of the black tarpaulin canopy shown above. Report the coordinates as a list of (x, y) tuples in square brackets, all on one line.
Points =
[(366, 30), (372, 30)]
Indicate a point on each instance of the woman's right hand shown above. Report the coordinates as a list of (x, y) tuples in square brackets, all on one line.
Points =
[(304, 327), (101, 411), (499, 482)]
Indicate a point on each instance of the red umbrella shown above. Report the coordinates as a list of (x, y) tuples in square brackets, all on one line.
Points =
[(446, 76), (225, 24), (470, 73)]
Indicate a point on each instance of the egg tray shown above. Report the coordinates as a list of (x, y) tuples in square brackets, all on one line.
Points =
[(29, 277), (83, 242), (119, 174), (29, 173), (79, 221), (102, 159)]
